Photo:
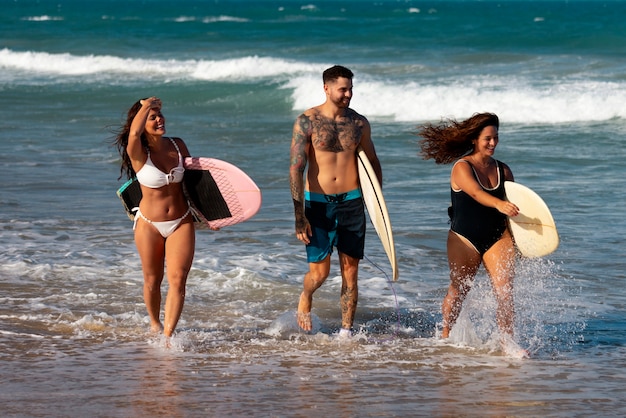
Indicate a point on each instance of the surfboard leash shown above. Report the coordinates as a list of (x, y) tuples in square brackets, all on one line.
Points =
[(395, 295)]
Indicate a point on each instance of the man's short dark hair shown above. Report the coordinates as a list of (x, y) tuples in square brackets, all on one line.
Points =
[(335, 72)]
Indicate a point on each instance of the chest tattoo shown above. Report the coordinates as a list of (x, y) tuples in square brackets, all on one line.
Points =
[(336, 135)]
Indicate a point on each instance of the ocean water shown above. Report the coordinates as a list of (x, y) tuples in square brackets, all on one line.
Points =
[(233, 76)]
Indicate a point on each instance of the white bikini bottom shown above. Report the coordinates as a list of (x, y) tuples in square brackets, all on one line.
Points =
[(165, 228)]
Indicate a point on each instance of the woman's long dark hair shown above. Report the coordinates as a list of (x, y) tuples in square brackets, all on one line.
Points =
[(449, 140), (121, 141)]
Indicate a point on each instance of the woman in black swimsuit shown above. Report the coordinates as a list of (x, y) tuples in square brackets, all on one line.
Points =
[(478, 215)]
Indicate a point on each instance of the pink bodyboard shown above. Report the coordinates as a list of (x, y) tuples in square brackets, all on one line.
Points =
[(220, 193)]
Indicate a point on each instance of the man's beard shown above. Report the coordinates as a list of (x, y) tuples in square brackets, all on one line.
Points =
[(342, 103)]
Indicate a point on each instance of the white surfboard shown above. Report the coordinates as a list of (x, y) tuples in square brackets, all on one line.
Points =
[(533, 229), (376, 208)]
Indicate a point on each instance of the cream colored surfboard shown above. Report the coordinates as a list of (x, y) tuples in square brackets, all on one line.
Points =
[(376, 208), (533, 229)]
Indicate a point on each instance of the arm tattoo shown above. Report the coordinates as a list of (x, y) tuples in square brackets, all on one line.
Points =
[(300, 141)]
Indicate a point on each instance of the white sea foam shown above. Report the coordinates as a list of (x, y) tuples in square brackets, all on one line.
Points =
[(43, 18), (215, 19), (183, 19), (286, 326), (513, 98), (65, 64)]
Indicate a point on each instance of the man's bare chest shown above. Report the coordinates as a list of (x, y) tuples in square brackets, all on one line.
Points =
[(335, 136)]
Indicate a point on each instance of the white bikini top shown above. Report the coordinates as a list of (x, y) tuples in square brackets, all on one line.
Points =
[(152, 177)]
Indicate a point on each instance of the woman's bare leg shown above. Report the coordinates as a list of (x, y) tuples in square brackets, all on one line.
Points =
[(464, 262), (151, 249), (500, 264), (179, 252)]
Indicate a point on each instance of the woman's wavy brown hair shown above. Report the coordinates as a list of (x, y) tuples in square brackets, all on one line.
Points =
[(121, 141), (449, 140)]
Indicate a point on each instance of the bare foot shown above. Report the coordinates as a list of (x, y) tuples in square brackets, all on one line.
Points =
[(156, 328), (345, 334), (512, 349), (445, 332), (304, 313), (304, 321)]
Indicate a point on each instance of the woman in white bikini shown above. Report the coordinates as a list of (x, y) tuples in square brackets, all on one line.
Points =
[(164, 229)]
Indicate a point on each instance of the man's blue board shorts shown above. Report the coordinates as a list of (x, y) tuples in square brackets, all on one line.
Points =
[(337, 220)]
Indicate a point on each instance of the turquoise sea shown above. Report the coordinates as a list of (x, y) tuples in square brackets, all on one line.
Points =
[(233, 76)]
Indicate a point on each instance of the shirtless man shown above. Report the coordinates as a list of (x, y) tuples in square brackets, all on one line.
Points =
[(328, 207)]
